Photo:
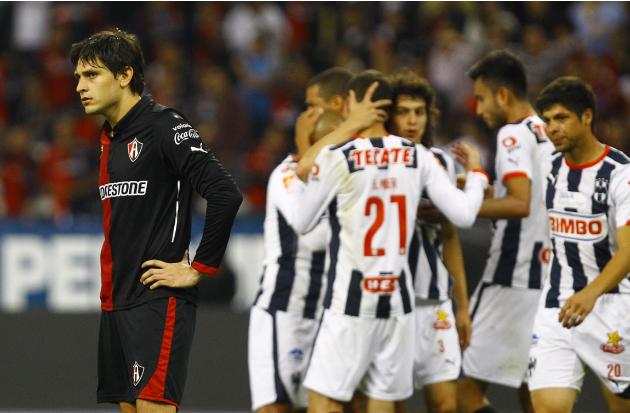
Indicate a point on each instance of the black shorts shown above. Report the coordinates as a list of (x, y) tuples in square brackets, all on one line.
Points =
[(143, 352)]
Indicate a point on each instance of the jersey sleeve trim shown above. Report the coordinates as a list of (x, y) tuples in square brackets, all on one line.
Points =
[(589, 164), (515, 174), (482, 171), (204, 268)]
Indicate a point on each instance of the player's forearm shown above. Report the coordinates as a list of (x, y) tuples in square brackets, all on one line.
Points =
[(339, 135), (454, 262), (613, 273), (507, 207)]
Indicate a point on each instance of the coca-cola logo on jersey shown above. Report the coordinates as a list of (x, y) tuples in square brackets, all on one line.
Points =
[(577, 227), (180, 137)]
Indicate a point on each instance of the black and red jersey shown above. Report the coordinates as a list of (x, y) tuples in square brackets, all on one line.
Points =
[(150, 164)]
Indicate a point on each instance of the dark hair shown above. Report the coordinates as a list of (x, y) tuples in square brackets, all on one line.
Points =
[(116, 49), (331, 82), (408, 83), (571, 92), (501, 68), (361, 82)]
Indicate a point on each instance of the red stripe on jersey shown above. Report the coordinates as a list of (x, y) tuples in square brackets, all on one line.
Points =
[(204, 268), (107, 301), (482, 171), (589, 164), (514, 174), (154, 389)]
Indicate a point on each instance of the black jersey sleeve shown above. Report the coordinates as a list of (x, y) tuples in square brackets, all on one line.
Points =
[(184, 151)]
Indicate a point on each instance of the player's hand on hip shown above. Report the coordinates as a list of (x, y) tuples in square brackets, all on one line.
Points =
[(170, 274), (366, 112), (467, 155), (576, 308)]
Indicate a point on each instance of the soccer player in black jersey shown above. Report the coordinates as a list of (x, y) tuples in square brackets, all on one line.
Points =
[(152, 160)]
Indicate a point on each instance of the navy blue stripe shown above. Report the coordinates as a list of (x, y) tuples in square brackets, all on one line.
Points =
[(333, 250), (572, 252), (618, 156), (404, 293), (414, 164), (260, 290), (281, 393), (383, 307), (484, 285), (535, 267), (504, 272), (414, 250), (377, 142), (599, 202), (286, 270), (573, 179), (349, 160), (353, 301), (315, 284), (427, 246), (551, 301), (440, 158), (552, 180)]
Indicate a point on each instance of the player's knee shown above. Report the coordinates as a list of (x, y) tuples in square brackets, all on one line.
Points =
[(443, 405)]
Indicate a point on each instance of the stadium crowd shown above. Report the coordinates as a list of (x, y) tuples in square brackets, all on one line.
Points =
[(239, 69)]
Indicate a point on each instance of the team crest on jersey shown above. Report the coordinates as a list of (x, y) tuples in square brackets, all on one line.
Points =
[(136, 373), (601, 190), (442, 322), (133, 149), (613, 345), (296, 355)]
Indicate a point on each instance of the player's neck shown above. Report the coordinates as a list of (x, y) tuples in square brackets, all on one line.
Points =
[(376, 130), (519, 111), (587, 151), (117, 111)]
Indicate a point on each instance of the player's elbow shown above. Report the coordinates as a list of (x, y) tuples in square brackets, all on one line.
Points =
[(234, 198), (521, 210)]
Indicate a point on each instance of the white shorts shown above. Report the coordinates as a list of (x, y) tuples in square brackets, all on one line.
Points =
[(502, 322), (372, 355), (437, 352), (602, 342), (279, 347)]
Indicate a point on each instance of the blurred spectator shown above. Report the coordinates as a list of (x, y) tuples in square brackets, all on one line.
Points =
[(239, 70), (17, 171)]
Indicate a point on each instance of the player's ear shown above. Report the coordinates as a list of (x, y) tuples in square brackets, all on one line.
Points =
[(503, 95), (587, 117), (125, 76)]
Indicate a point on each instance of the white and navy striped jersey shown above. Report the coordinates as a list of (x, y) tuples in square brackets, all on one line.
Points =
[(586, 204), (431, 278), (519, 248), (293, 274), (371, 188)]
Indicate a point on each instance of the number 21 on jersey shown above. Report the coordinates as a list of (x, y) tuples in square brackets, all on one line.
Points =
[(375, 207)]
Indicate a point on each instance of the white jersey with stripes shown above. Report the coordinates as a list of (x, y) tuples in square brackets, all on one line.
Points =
[(519, 249), (293, 276), (432, 280), (586, 204), (372, 188)]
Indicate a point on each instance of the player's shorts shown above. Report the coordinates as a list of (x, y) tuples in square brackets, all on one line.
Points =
[(437, 352), (143, 352), (502, 322), (601, 342), (372, 355), (279, 347)]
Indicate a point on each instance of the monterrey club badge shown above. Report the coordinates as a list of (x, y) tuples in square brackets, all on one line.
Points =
[(133, 149)]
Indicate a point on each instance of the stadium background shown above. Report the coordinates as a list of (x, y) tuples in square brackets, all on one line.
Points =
[(238, 71)]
